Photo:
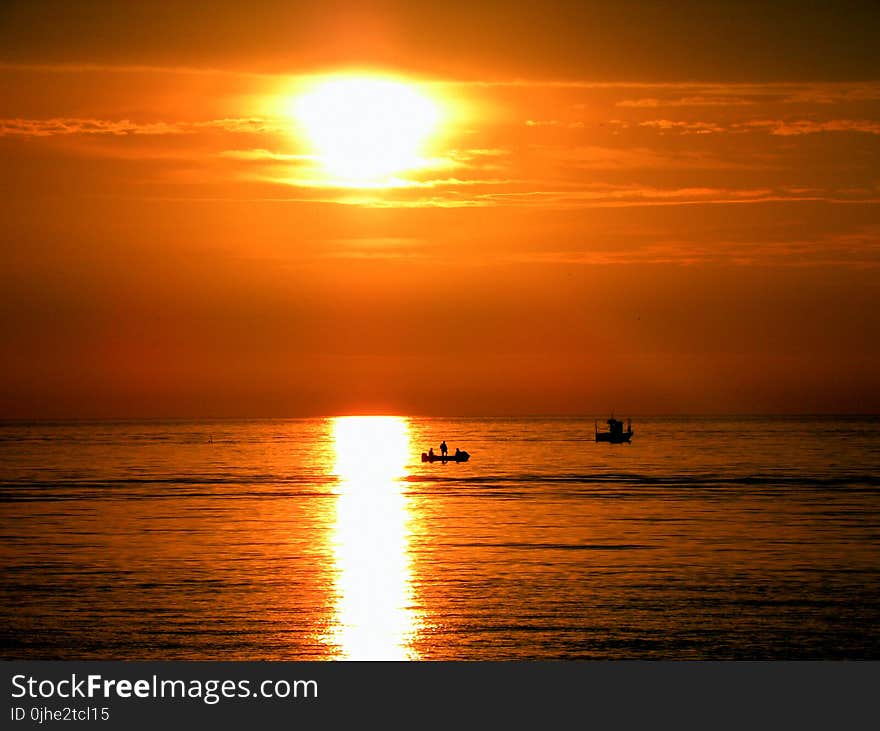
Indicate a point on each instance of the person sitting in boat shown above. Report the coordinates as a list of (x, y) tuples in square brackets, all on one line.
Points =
[(457, 452), (444, 450), (431, 453)]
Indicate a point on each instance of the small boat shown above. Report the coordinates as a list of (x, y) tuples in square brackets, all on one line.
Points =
[(615, 433), (459, 456)]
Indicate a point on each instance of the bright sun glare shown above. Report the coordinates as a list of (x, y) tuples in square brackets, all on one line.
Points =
[(365, 130), (374, 619)]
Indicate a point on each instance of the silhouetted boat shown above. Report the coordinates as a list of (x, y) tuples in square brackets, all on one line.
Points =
[(615, 433), (457, 457)]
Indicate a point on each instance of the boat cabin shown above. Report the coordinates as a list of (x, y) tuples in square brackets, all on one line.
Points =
[(615, 433)]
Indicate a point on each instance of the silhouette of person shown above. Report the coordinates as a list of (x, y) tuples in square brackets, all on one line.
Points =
[(443, 448), (457, 452), (431, 452)]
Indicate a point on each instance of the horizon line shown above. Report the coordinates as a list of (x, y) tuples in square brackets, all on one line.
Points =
[(308, 417)]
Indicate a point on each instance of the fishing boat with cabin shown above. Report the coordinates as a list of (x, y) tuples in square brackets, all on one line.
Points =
[(615, 433)]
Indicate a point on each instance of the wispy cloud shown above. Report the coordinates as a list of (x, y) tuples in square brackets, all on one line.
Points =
[(834, 93), (683, 127), (262, 155), (859, 248), (688, 101), (596, 157), (78, 126), (478, 158), (624, 197), (779, 127), (385, 184), (375, 248), (789, 128), (690, 93), (577, 124), (607, 196), (100, 68)]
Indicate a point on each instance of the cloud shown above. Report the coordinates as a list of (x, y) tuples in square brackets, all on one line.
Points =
[(596, 196), (385, 184), (74, 126), (809, 126), (594, 157), (750, 94), (478, 158), (262, 155), (553, 123), (834, 93), (859, 248), (59, 126), (683, 127), (448, 194), (99, 68), (693, 91), (779, 127), (375, 248), (689, 101), (621, 196)]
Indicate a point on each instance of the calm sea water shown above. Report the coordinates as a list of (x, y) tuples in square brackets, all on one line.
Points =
[(322, 539)]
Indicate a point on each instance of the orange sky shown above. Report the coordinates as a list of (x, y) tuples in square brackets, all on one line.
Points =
[(625, 208)]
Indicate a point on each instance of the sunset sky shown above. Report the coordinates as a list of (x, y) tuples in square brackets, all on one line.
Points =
[(285, 209)]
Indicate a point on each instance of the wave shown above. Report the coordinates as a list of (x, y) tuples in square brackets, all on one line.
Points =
[(261, 486), (679, 480)]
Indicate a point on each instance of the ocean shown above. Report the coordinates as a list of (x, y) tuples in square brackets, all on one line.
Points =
[(705, 538)]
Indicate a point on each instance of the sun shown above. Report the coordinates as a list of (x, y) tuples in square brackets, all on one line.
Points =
[(366, 130)]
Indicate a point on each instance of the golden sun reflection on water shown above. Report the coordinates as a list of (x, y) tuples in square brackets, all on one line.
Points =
[(373, 617)]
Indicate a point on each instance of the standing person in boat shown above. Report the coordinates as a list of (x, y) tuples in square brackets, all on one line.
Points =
[(444, 450)]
